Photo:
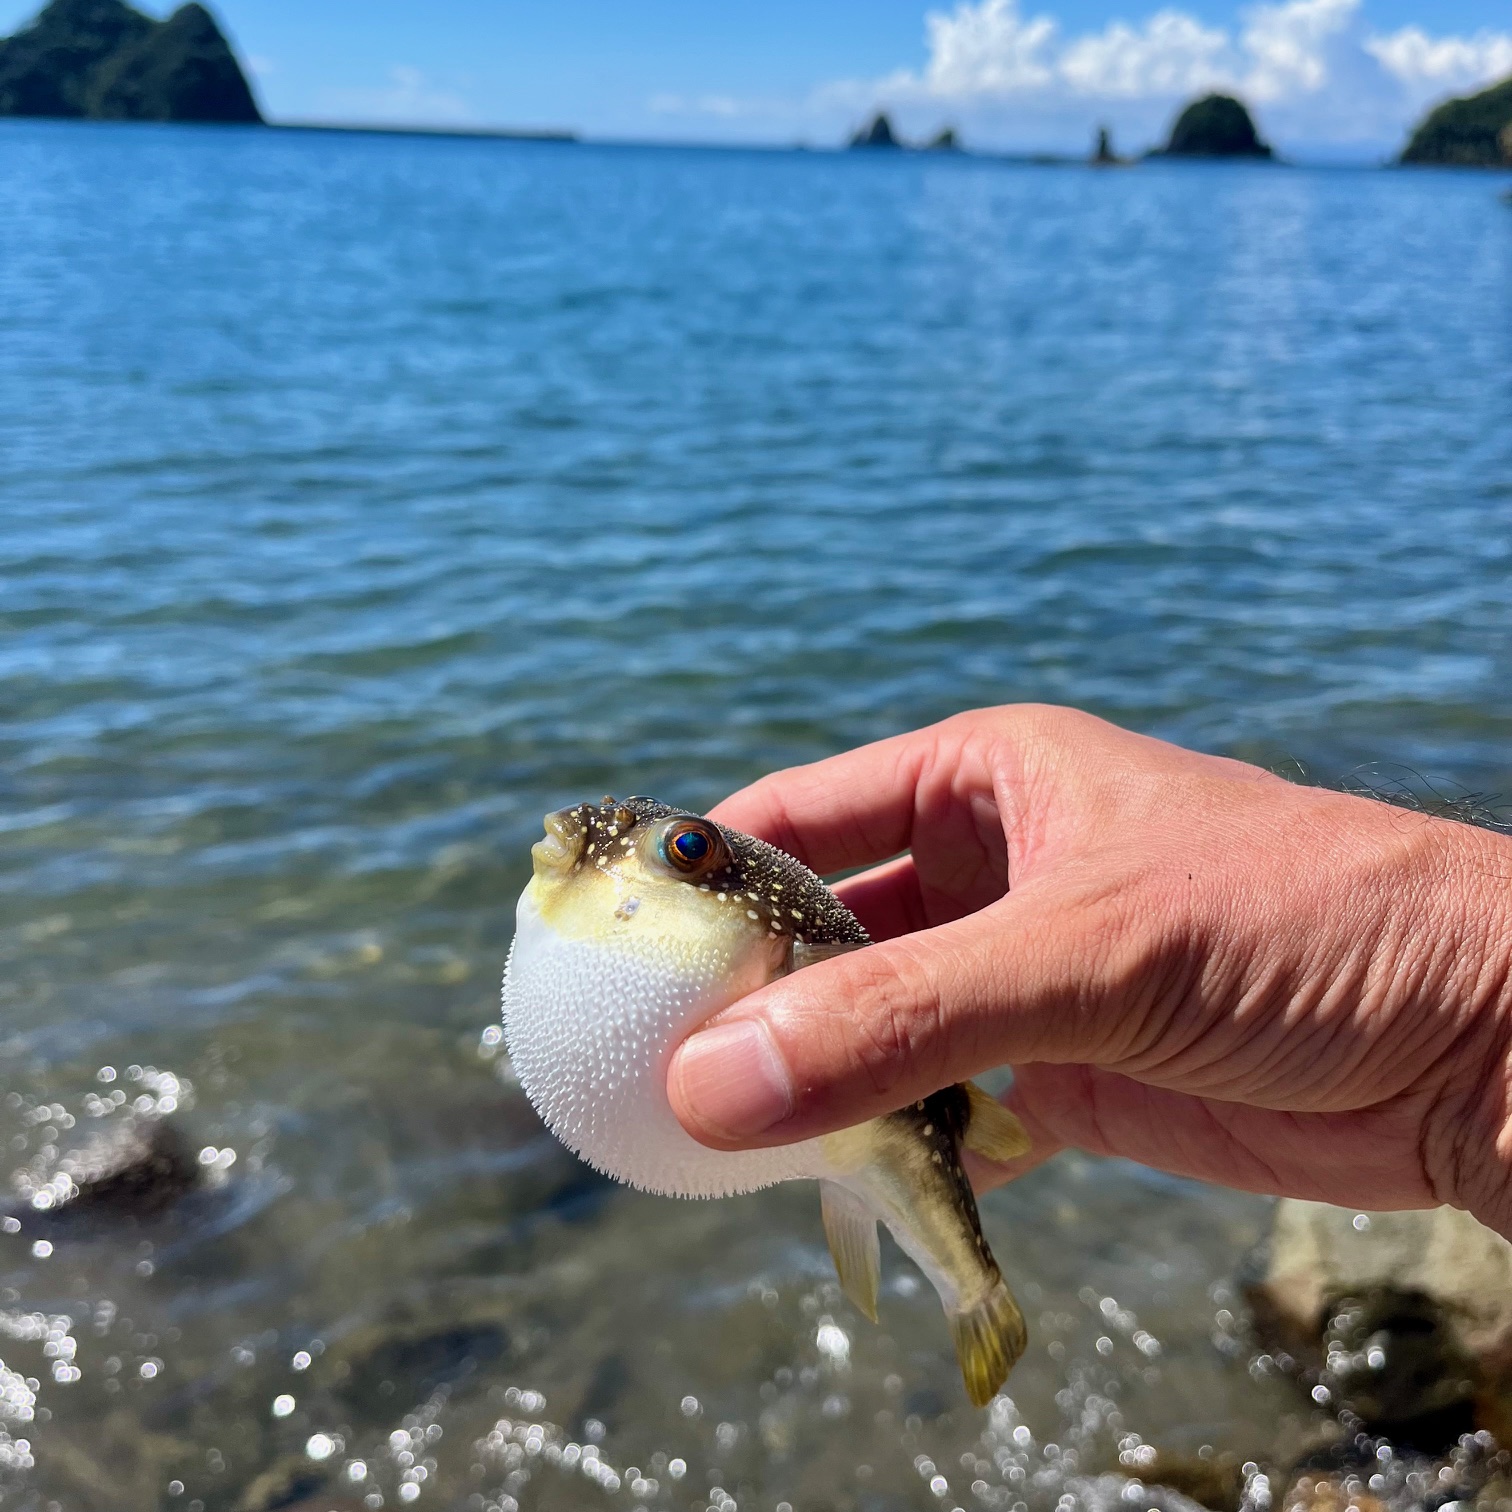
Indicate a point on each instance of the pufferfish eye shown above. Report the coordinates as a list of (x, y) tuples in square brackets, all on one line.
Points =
[(690, 847)]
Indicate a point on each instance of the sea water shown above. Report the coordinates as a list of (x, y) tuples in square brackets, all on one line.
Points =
[(362, 498)]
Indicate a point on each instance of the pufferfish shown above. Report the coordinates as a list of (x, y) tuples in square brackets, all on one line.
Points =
[(643, 921)]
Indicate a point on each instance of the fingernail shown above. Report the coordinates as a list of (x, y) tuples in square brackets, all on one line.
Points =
[(733, 1081)]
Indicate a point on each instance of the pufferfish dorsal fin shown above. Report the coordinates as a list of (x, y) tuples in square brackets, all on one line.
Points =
[(851, 1228), (991, 1130)]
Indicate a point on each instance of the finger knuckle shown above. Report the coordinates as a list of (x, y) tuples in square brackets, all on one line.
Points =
[(896, 1028)]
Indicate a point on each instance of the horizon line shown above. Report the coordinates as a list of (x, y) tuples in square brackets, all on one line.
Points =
[(567, 135)]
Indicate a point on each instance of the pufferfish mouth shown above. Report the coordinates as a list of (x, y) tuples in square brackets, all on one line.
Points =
[(563, 843)]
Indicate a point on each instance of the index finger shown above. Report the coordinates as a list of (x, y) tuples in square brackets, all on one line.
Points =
[(854, 809)]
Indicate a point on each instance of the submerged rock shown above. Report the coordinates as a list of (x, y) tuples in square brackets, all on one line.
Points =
[(1329, 1493), (1403, 1319), (289, 1484), (393, 1364), (877, 133), (1216, 126), (102, 60), (136, 1167), (1472, 132), (1215, 1482)]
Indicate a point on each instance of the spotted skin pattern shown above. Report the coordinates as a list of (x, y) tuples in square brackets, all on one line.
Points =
[(939, 1125), (758, 878)]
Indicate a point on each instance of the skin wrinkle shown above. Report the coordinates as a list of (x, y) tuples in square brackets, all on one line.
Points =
[(1094, 1107), (1490, 1089), (1303, 1032), (1182, 986), (1305, 989), (965, 1035), (1499, 1202), (1177, 1062), (1405, 1057), (1158, 974), (1142, 1109), (1023, 767), (990, 838), (1271, 1175), (892, 1037), (1430, 1120), (1320, 1029), (1460, 1177), (1018, 844)]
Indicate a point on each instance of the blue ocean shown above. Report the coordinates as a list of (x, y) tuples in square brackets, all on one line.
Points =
[(363, 497)]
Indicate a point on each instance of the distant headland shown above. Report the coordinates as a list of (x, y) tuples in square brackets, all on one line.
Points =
[(1472, 132), (101, 60)]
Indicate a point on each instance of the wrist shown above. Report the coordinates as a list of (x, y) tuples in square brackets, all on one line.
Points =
[(1467, 1131)]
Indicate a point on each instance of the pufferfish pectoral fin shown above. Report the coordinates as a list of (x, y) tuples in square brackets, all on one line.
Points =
[(805, 954), (991, 1130), (851, 1228)]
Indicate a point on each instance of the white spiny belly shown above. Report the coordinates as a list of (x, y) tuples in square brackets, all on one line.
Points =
[(590, 1028)]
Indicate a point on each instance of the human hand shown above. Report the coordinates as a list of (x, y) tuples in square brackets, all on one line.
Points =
[(1200, 966)]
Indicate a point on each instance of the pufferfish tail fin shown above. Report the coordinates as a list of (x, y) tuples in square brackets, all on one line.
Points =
[(989, 1338), (991, 1130), (851, 1228)]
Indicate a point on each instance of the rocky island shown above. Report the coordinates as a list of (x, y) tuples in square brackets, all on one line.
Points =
[(1472, 132), (101, 60), (879, 132), (1216, 126)]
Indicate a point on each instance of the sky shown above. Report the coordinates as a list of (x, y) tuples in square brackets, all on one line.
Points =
[(1340, 79)]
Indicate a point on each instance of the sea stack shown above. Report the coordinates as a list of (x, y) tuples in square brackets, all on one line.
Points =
[(101, 60), (1472, 132), (877, 132), (1103, 154), (1216, 126), (944, 140)]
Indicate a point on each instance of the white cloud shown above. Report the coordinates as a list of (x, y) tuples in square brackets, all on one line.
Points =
[(992, 50), (1313, 67), (1170, 54), (987, 49), (1442, 63), (1287, 46)]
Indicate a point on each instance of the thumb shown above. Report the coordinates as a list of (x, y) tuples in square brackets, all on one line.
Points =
[(861, 1035)]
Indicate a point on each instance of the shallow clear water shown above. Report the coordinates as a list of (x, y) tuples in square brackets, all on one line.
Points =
[(363, 498)]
